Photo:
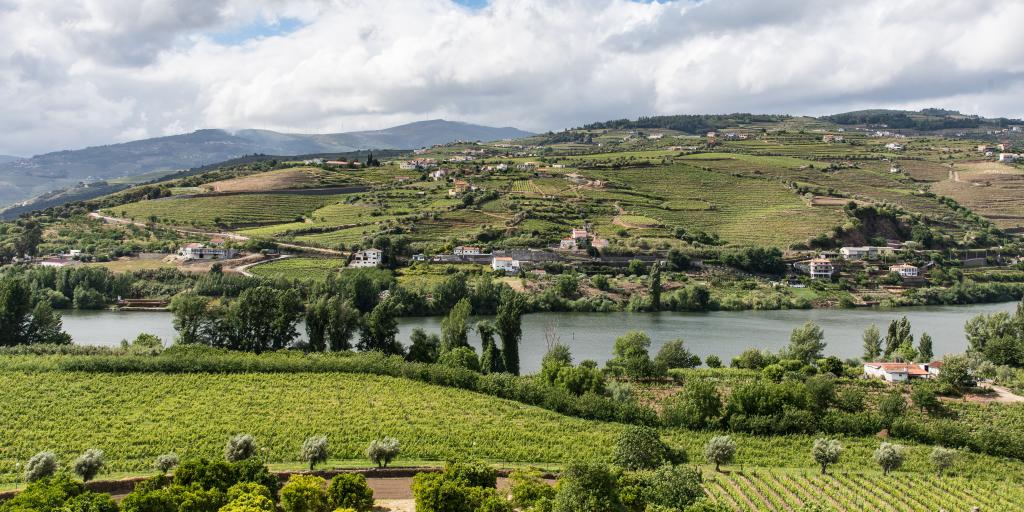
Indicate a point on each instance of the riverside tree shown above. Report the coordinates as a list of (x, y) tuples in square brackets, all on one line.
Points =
[(806, 343), (925, 352), (872, 343), (490, 356), (510, 329), (330, 324), (380, 328), (455, 327)]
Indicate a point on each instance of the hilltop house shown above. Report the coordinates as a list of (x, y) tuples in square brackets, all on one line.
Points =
[(865, 252), (1008, 157), (438, 174), (366, 258), (467, 250), (894, 146), (904, 270), (197, 251), (820, 268), (505, 264), (902, 372), (832, 138)]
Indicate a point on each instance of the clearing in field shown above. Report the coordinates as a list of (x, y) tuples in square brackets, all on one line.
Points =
[(991, 189), (296, 177)]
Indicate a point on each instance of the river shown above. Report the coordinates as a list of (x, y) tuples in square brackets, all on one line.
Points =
[(592, 335)]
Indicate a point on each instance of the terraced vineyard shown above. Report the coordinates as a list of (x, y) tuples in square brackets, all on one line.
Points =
[(782, 490), (303, 269), (230, 211)]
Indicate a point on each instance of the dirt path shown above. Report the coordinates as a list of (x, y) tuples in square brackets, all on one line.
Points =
[(1003, 395), (244, 269)]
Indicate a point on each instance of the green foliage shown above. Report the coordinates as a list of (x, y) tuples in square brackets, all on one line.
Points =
[(942, 459), (956, 372), (673, 354), (720, 450), (249, 502), (925, 397), (382, 451), (314, 451), (455, 327), (41, 465), (826, 452), (528, 489), (674, 487), (349, 490), (89, 464), (330, 324), (640, 447), (889, 457), (423, 347), (460, 357), (166, 462), (239, 447), (892, 406), (713, 361), (45, 495), (304, 493), (587, 487), (630, 356), (459, 488), (872, 343), (697, 406), (242, 488), (508, 325), (806, 344)]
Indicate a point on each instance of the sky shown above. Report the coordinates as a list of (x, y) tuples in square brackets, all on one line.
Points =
[(76, 73)]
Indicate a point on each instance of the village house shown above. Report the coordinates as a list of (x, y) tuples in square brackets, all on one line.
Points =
[(438, 174), (820, 268), (505, 264), (865, 253), (418, 163), (832, 138), (983, 148), (1005, 146), (901, 372), (366, 258), (1008, 157), (197, 251), (467, 250), (894, 146), (460, 187), (904, 270), (343, 163)]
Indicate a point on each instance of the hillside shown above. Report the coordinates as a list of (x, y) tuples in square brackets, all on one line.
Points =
[(22, 179)]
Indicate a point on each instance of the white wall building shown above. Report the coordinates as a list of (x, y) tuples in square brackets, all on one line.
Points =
[(467, 250), (366, 258), (901, 372), (196, 251), (905, 270), (505, 263), (865, 252), (820, 268)]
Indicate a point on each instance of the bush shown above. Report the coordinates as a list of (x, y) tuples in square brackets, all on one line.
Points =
[(720, 450), (528, 489), (88, 464), (304, 493), (674, 487), (241, 488), (892, 406), (713, 361), (475, 474), (239, 447), (249, 502), (47, 493), (349, 490), (587, 487), (674, 354), (314, 451), (382, 451), (942, 459), (252, 470), (461, 357), (455, 490), (206, 474), (640, 447), (889, 457), (41, 465), (166, 462), (90, 502), (697, 406)]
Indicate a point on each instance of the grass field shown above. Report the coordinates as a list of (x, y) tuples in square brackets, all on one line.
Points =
[(296, 177), (229, 211), (303, 269)]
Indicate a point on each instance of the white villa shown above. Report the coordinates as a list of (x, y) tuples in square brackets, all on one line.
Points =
[(820, 268), (366, 258), (905, 270), (865, 252), (505, 263), (902, 372), (197, 251), (467, 250)]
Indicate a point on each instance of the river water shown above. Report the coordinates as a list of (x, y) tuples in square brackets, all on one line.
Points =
[(592, 335)]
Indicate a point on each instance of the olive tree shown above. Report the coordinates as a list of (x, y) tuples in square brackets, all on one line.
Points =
[(942, 459), (314, 451), (640, 447), (720, 450), (89, 464), (240, 447), (383, 451), (166, 462), (889, 457), (41, 465), (826, 452)]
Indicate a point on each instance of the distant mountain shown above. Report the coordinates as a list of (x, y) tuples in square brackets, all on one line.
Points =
[(928, 119), (8, 158), (21, 179)]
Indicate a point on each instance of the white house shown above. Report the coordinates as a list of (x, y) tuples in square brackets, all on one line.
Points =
[(1008, 157), (438, 174), (467, 250), (865, 252), (505, 263), (820, 268), (904, 270), (196, 251), (901, 372), (366, 258), (894, 146)]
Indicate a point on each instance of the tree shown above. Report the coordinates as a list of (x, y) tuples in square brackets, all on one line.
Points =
[(630, 356), (556, 358), (89, 464), (15, 310), (490, 356), (655, 280), (925, 352), (587, 487), (239, 447), (806, 343), (713, 361), (872, 343), (677, 261), (314, 451), (330, 324), (674, 488), (889, 457), (190, 316), (165, 462), (455, 327), (304, 493), (46, 326), (635, 268), (892, 406), (697, 406), (510, 329), (350, 491), (640, 447), (380, 328), (674, 354), (41, 465), (261, 318), (382, 451), (898, 336), (720, 450), (925, 397), (826, 452), (423, 347), (942, 459), (956, 372)]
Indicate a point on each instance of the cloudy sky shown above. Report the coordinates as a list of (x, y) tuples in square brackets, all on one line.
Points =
[(84, 72)]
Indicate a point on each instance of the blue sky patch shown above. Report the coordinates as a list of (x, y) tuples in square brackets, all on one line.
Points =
[(257, 29)]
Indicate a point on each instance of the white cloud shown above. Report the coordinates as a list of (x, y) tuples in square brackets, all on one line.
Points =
[(75, 73)]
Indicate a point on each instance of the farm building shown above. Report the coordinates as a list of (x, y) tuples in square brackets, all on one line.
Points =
[(366, 258), (865, 252), (467, 250), (197, 251), (505, 263), (1008, 157), (904, 270), (894, 146), (901, 372)]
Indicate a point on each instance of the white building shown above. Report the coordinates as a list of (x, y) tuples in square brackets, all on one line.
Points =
[(505, 263), (894, 146), (904, 270), (820, 268), (438, 174), (196, 251), (1008, 157), (901, 372), (865, 252), (366, 258), (467, 250)]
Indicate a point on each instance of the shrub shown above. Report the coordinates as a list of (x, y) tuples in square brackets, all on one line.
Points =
[(713, 361), (528, 489), (697, 406), (249, 502), (826, 452), (892, 406), (88, 464), (349, 490), (475, 474), (206, 474), (674, 354), (382, 451), (640, 447), (45, 494), (90, 502), (314, 451), (241, 488), (252, 470), (674, 487), (461, 357), (304, 493), (239, 447), (454, 491), (166, 462), (720, 450), (889, 457), (851, 399), (587, 487), (942, 459), (41, 465)]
